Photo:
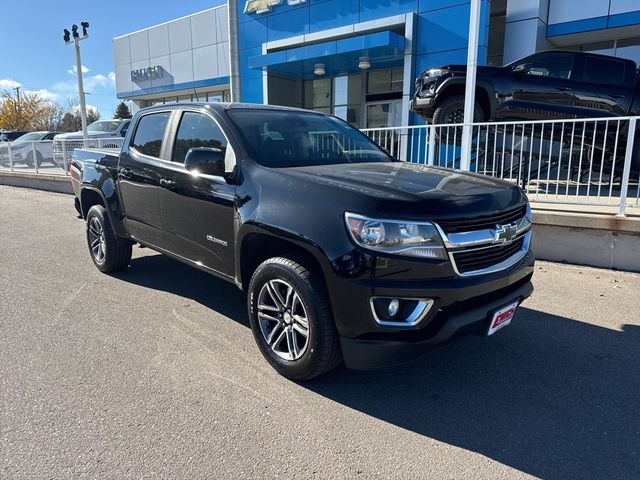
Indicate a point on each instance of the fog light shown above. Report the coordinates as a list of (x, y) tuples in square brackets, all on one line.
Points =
[(394, 307)]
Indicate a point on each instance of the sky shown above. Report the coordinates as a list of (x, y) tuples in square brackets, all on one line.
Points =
[(35, 57)]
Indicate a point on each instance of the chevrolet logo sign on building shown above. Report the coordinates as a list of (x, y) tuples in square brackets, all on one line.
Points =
[(264, 6)]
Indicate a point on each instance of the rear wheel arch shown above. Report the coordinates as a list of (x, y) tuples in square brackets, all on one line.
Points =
[(88, 198)]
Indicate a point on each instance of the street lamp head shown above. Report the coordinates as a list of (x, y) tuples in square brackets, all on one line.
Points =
[(74, 29), (67, 36), (85, 27)]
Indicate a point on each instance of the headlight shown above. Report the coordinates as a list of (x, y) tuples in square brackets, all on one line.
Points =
[(415, 239), (437, 72)]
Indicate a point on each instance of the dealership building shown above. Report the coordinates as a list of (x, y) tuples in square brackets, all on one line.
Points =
[(357, 59)]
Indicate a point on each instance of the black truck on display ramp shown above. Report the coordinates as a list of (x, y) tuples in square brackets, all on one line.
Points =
[(344, 252), (550, 85)]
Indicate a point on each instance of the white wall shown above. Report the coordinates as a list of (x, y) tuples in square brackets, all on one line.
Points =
[(188, 49), (561, 11)]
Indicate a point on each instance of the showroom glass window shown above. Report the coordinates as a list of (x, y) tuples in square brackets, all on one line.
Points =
[(149, 134), (197, 130)]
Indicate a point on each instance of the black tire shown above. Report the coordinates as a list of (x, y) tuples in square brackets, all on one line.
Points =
[(322, 350), (115, 251), (451, 111)]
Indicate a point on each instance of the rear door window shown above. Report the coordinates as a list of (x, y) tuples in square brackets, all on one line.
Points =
[(605, 71), (150, 133)]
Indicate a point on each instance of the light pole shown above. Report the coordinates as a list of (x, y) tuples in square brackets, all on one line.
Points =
[(19, 125), (76, 41), (470, 89)]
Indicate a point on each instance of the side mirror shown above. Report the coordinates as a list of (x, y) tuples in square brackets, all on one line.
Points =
[(522, 69), (123, 132), (205, 160)]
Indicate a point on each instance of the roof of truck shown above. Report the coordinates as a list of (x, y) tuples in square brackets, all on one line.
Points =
[(220, 106)]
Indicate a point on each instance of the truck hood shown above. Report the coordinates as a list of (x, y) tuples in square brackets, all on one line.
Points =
[(78, 135), (412, 191), (463, 69)]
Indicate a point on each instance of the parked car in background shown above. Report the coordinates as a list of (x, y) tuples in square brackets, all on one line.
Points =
[(100, 129), (345, 252), (10, 136), (97, 132), (22, 149)]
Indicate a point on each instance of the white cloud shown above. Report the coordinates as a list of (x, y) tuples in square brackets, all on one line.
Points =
[(44, 93), (74, 70), (8, 84), (90, 108)]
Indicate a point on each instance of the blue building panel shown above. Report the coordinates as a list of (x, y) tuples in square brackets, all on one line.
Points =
[(288, 24), (374, 9), (440, 36), (332, 14)]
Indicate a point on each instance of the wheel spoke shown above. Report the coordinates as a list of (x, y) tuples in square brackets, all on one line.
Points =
[(301, 330), (291, 344), (273, 333), (277, 341), (93, 230), (268, 317), (95, 242), (268, 308), (289, 292), (301, 321), (275, 295)]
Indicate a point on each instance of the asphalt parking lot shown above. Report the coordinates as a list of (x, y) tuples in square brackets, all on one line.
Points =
[(153, 373)]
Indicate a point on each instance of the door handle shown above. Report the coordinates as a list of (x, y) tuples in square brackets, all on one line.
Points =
[(167, 183), (617, 95), (564, 89), (125, 172)]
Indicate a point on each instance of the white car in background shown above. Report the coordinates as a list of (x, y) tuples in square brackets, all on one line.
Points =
[(23, 151), (99, 132)]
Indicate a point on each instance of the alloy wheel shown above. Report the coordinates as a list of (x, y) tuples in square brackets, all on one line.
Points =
[(283, 319), (97, 242)]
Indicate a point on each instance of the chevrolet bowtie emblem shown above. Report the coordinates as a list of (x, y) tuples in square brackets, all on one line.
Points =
[(505, 233), (264, 6)]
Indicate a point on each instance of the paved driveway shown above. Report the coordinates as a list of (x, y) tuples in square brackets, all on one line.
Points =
[(154, 373)]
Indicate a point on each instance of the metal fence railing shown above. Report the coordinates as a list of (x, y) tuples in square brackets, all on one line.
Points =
[(47, 156), (587, 161)]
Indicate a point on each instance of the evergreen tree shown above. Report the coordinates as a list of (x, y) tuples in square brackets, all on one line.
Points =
[(122, 111)]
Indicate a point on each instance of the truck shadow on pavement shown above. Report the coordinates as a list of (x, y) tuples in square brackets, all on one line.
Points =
[(550, 396)]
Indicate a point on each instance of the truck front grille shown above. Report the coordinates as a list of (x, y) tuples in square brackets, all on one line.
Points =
[(484, 222), (475, 259)]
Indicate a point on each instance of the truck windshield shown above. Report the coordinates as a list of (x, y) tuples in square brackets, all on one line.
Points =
[(280, 138), (30, 137), (104, 126)]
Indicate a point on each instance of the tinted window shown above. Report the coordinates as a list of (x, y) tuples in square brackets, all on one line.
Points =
[(552, 66), (281, 138), (197, 130), (604, 70), (149, 134)]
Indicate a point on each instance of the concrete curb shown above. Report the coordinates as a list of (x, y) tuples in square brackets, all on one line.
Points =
[(40, 181), (591, 221)]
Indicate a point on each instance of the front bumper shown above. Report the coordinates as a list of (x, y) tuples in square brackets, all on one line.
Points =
[(424, 107), (364, 354)]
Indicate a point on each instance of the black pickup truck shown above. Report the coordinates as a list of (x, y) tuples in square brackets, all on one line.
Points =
[(544, 86), (345, 253)]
